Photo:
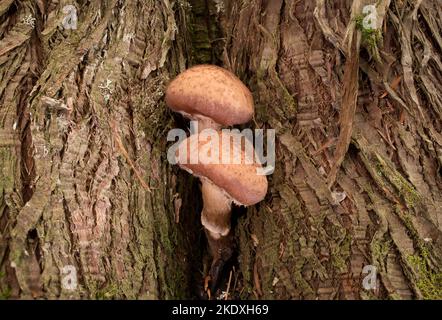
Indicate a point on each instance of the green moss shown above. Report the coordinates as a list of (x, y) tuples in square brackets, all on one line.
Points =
[(177, 285), (405, 189), (380, 249), (394, 296), (202, 49), (428, 281), (407, 221), (152, 113), (302, 284), (6, 172), (5, 294), (290, 108), (341, 253), (273, 91), (370, 37), (367, 295), (108, 293)]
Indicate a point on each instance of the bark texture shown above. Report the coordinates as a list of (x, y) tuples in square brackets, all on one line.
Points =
[(84, 179)]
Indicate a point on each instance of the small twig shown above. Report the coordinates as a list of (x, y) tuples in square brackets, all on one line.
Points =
[(329, 143), (126, 155), (228, 286), (386, 139), (393, 85), (256, 280), (348, 109), (235, 283), (206, 286)]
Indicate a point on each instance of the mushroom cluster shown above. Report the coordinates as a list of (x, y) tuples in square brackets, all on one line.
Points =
[(216, 98)]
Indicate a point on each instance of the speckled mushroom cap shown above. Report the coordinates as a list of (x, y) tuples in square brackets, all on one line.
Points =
[(240, 181), (213, 92)]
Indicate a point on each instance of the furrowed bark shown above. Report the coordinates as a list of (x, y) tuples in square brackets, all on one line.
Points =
[(76, 190), (70, 195), (384, 209)]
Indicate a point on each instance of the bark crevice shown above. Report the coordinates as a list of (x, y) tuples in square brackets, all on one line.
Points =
[(63, 175)]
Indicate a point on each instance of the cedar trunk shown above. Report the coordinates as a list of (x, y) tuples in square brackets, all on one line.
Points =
[(86, 191)]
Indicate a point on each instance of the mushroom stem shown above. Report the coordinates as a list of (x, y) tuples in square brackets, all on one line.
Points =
[(207, 123), (215, 218), (217, 210)]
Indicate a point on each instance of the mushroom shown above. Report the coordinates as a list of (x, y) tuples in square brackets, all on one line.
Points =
[(223, 183), (215, 98), (211, 95)]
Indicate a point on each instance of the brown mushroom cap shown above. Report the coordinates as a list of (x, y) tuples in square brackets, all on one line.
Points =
[(213, 92), (241, 182)]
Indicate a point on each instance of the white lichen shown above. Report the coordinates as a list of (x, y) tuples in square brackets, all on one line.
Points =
[(222, 296), (29, 20), (338, 197), (184, 4), (106, 89), (219, 5), (128, 37)]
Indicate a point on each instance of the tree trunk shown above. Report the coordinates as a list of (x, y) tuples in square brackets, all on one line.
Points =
[(90, 208)]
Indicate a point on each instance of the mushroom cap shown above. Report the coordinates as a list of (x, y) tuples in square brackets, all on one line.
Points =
[(240, 180), (213, 92)]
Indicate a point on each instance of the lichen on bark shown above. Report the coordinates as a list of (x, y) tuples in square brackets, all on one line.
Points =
[(84, 179)]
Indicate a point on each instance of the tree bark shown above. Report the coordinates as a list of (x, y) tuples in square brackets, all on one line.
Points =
[(86, 192)]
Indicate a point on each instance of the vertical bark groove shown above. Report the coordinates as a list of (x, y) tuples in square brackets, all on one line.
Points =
[(69, 196)]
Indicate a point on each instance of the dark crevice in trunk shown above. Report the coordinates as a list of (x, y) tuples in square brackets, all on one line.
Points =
[(204, 33), (205, 48)]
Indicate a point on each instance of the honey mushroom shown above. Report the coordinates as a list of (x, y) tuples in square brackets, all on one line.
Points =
[(212, 96), (222, 183), (216, 98)]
